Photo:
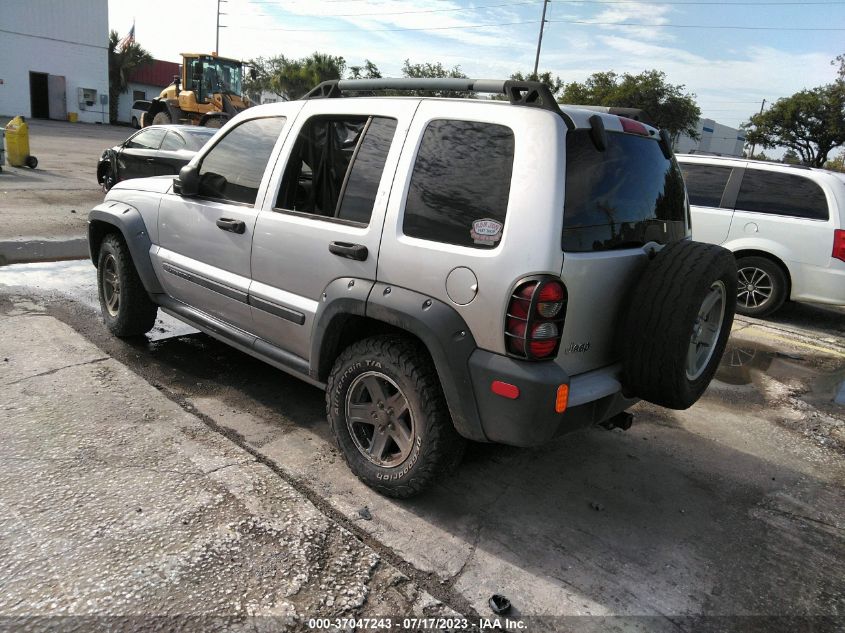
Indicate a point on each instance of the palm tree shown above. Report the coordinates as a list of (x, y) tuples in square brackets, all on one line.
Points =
[(123, 62)]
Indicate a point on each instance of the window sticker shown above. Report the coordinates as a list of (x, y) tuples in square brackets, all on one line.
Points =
[(486, 231)]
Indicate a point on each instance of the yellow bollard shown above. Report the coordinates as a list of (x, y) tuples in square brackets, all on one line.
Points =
[(17, 144)]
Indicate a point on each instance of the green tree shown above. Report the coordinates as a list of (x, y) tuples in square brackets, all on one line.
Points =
[(836, 164), (669, 106), (433, 70), (292, 78), (811, 122), (368, 71), (123, 62), (791, 157)]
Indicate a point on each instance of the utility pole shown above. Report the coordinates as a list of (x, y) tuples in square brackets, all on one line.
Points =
[(540, 38), (217, 32), (754, 145)]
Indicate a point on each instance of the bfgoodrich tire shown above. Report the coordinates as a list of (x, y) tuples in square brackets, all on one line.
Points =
[(126, 307), (389, 416), (679, 318)]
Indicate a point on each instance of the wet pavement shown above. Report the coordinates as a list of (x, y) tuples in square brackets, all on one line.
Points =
[(735, 507)]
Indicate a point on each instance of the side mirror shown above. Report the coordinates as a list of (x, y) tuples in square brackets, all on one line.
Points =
[(188, 182)]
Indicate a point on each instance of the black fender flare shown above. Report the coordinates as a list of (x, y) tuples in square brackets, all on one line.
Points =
[(440, 328), (128, 221)]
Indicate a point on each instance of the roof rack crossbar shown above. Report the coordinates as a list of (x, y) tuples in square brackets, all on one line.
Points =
[(526, 93)]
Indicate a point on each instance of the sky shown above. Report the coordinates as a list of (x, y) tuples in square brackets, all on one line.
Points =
[(730, 70)]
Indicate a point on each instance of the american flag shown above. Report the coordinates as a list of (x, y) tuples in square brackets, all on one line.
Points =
[(129, 39)]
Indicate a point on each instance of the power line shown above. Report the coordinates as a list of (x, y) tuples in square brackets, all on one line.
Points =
[(577, 22)]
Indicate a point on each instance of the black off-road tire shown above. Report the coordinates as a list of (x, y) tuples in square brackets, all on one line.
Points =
[(662, 314), (135, 313), (135, 123), (437, 447), (162, 118), (778, 282)]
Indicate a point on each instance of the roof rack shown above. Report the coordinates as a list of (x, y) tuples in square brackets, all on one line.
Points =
[(524, 93)]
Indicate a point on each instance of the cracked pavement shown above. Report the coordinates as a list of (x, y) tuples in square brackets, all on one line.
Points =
[(116, 501), (732, 509)]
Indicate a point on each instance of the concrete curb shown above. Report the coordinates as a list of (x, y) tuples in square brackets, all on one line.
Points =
[(42, 250)]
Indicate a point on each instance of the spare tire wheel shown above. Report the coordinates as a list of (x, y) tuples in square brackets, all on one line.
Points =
[(678, 322)]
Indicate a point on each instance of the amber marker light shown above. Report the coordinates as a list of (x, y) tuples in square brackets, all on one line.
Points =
[(562, 398)]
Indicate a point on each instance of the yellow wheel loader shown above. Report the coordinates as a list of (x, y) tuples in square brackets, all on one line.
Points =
[(209, 93)]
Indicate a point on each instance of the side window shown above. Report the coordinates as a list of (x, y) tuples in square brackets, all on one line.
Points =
[(233, 169), (705, 183), (173, 142), (781, 194), (336, 166), (460, 184), (148, 139)]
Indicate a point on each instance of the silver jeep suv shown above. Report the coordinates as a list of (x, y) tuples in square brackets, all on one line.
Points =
[(446, 269)]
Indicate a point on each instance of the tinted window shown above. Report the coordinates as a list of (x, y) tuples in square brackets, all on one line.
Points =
[(141, 105), (336, 166), (705, 183), (623, 197), (148, 139), (195, 139), (173, 142), (233, 169), (781, 194), (461, 183)]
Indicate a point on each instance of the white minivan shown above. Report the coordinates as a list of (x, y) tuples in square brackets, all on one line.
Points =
[(785, 224)]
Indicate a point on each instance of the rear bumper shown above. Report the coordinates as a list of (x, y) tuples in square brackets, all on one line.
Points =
[(530, 419), (819, 284)]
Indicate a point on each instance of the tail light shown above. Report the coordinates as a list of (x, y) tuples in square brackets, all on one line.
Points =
[(534, 320), (839, 244)]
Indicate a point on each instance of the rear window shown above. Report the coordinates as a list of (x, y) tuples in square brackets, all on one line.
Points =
[(705, 183), (781, 194), (623, 197)]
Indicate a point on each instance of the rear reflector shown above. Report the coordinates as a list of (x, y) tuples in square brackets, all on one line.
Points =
[(839, 244), (504, 389), (633, 127), (562, 398)]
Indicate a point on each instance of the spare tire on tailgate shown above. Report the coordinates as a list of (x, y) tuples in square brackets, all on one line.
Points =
[(678, 321)]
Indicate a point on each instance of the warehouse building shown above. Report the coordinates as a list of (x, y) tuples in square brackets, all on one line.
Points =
[(715, 138), (54, 59)]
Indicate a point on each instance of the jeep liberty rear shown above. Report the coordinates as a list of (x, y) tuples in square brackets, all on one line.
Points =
[(446, 269)]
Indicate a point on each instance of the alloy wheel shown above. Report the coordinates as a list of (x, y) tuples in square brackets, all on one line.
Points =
[(706, 330), (754, 288), (379, 419)]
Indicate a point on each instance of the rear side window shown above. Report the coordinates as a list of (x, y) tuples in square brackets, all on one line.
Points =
[(705, 183), (461, 183), (622, 197), (336, 166), (173, 142), (781, 194), (148, 139), (233, 169)]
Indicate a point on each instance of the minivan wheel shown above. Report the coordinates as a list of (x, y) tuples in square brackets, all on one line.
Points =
[(761, 286), (678, 321), (389, 416), (125, 305)]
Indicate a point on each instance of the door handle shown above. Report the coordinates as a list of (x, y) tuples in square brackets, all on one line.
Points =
[(151, 160), (233, 226), (349, 251)]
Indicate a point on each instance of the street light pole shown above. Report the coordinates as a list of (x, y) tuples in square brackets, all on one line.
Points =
[(540, 38)]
